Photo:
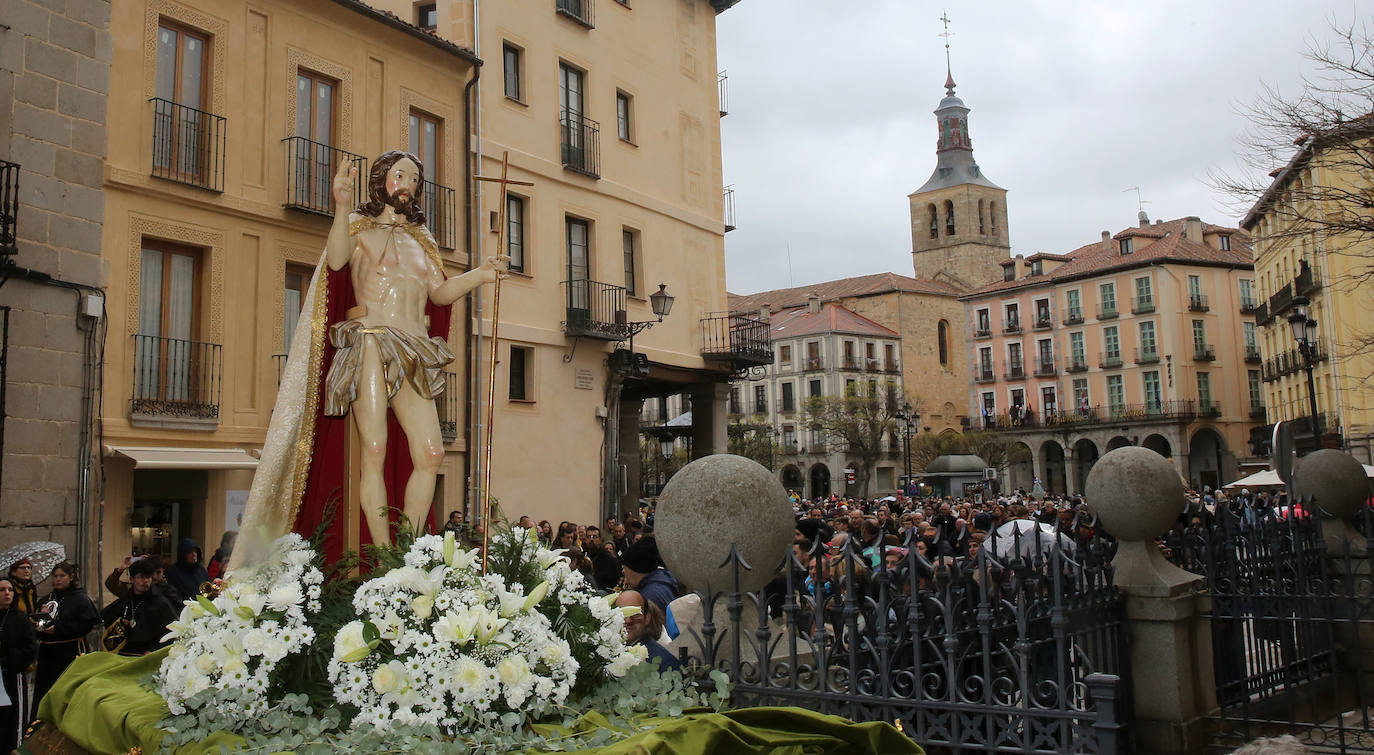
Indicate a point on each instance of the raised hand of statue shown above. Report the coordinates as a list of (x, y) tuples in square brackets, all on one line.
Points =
[(495, 267), (344, 181)]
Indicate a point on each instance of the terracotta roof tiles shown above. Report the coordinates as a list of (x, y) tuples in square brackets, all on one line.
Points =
[(799, 321), (863, 285)]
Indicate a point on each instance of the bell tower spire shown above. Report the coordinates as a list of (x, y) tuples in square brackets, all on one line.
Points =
[(949, 74)]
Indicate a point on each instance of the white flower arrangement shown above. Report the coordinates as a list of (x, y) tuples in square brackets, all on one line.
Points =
[(234, 641), (440, 644)]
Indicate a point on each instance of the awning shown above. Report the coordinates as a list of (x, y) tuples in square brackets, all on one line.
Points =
[(184, 458)]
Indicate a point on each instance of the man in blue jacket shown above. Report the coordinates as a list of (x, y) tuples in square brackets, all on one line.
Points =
[(643, 571)]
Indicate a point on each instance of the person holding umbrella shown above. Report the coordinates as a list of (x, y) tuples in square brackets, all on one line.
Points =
[(18, 646), (66, 616)]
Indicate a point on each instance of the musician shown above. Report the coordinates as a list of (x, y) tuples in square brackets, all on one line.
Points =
[(65, 617), (18, 646), (143, 614)]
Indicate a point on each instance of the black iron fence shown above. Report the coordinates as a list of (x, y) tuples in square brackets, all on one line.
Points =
[(581, 143), (9, 206), (1013, 644), (176, 378), (1292, 614), (595, 310), (188, 145), (741, 338), (440, 204), (450, 407), (310, 169), (1198, 303), (1291, 361)]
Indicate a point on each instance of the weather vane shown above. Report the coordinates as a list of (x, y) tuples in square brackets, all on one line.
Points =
[(949, 76)]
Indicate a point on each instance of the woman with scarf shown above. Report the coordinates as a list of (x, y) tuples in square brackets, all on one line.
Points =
[(62, 632), (18, 645), (25, 591)]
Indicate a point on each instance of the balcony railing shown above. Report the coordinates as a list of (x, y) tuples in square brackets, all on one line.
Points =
[(1289, 362), (761, 407), (176, 378), (1146, 356), (984, 375), (1011, 325), (1198, 303), (1109, 361), (849, 363), (1045, 367), (1043, 321), (1142, 305), (723, 90), (1252, 354), (1204, 352), (9, 207), (1307, 281), (891, 367), (740, 339), (310, 169), (1074, 317), (1257, 412), (1107, 312), (1154, 411), (1280, 300), (440, 204), (1015, 370), (188, 145), (813, 364), (581, 11), (581, 142), (982, 332), (595, 310), (1076, 364), (727, 201), (450, 406), (1248, 306), (1207, 408)]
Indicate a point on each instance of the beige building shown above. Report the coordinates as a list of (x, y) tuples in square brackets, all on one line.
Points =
[(234, 118), (1143, 338), (1299, 256), (54, 77)]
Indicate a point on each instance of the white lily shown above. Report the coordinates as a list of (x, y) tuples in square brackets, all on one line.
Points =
[(548, 558), (536, 595), (456, 626)]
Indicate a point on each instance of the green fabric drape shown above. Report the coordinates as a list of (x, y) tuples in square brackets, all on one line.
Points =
[(99, 705)]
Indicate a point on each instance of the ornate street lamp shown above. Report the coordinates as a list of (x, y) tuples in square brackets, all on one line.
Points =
[(661, 302), (1305, 333), (908, 418)]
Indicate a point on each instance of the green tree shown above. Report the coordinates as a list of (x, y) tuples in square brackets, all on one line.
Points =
[(857, 423), (999, 450), (753, 438)]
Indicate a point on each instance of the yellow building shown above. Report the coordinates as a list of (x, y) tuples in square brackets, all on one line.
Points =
[(232, 119), (1301, 254), (1142, 338)]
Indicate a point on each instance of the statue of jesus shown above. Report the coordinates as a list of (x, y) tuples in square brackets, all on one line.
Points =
[(385, 356)]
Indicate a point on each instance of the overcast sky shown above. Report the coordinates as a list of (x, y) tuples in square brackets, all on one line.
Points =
[(830, 124)]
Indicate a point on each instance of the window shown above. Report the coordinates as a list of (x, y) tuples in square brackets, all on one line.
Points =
[(1147, 339), (1048, 404), (789, 401), (1018, 397), (622, 117), (734, 400), (182, 133), (515, 232), (847, 354), (1009, 272), (1111, 341), (985, 360), (992, 217), (1013, 313), (1247, 293), (760, 399), (1046, 351), (427, 16), (1075, 302), (789, 436), (1204, 390), (424, 143), (1247, 329), (629, 243), (890, 356), (1014, 356), (934, 222), (849, 387), (984, 321), (168, 321), (1194, 286), (1253, 382), (949, 218), (1037, 267), (1144, 294), (785, 354), (512, 57), (313, 162), (1080, 395), (1224, 242), (1107, 296), (1116, 393), (1199, 335), (982, 226), (989, 407), (575, 152), (579, 266), (1126, 245), (813, 389), (521, 359), (942, 343), (813, 355), (1042, 313), (1150, 383), (1077, 349), (297, 282)]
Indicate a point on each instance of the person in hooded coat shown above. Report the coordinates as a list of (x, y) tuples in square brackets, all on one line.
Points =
[(61, 637), (188, 573), (18, 647)]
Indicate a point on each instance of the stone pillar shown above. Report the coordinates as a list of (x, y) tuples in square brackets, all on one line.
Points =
[(1137, 496), (708, 419)]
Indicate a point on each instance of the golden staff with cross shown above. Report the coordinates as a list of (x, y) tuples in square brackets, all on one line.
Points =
[(500, 230)]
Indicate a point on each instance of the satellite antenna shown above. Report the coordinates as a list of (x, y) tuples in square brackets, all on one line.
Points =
[(1139, 202)]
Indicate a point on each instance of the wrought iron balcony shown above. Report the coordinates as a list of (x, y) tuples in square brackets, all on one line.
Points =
[(1109, 360), (581, 142), (310, 169), (1248, 306), (440, 204), (728, 205), (982, 332), (1262, 315), (1043, 321), (1198, 303), (849, 363), (814, 364), (450, 407), (595, 310), (743, 340), (9, 207), (188, 145), (1281, 299), (761, 407), (1011, 325), (1257, 412), (176, 378), (1252, 354), (1141, 305), (723, 90), (1074, 317), (1146, 356), (1204, 352), (1307, 281), (1107, 312), (1152, 411), (1076, 364), (1208, 409), (1045, 367), (581, 11), (1015, 370), (984, 375), (891, 368)]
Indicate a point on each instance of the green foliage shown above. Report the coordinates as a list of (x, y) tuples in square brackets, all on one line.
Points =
[(856, 422), (997, 449), (753, 438)]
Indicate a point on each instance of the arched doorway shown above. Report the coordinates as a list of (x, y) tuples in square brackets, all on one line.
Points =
[(1084, 457), (1119, 441), (1159, 444), (792, 479), (1052, 473), (1206, 459), (820, 481), (1021, 470)]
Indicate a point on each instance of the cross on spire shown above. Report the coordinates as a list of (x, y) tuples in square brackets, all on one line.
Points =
[(949, 75)]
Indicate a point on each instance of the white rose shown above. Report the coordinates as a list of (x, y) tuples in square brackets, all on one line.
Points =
[(349, 644), (389, 678), (205, 664), (514, 670), (284, 596), (423, 606)]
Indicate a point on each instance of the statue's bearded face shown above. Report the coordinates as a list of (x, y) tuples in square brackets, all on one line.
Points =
[(402, 181)]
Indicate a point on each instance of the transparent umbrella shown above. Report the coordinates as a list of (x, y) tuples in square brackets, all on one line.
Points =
[(43, 554), (1028, 538)]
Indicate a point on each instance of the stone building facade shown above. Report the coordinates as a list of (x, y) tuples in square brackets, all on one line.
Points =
[(54, 81)]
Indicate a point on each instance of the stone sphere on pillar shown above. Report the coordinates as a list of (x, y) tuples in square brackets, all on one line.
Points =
[(1136, 493), (713, 501), (1335, 479)]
